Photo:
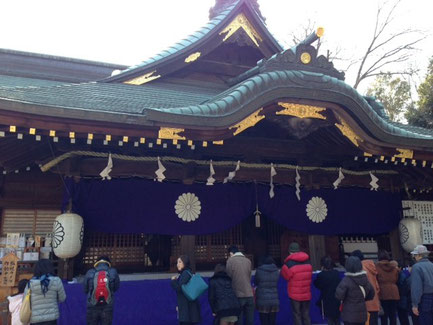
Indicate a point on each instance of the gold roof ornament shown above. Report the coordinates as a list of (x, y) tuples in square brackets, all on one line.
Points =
[(404, 153), (170, 134), (247, 122), (301, 111), (241, 21), (193, 57), (143, 79), (305, 58), (348, 132)]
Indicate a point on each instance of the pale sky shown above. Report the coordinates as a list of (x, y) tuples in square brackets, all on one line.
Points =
[(127, 32)]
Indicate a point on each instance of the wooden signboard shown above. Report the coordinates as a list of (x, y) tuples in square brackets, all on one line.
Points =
[(9, 270)]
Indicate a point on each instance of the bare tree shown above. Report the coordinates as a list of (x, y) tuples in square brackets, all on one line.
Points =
[(387, 47)]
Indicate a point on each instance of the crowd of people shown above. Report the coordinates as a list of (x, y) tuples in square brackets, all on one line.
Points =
[(367, 291)]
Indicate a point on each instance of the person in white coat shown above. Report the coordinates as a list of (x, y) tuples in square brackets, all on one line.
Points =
[(16, 301)]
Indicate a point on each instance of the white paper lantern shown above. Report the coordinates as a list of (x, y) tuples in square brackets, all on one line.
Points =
[(68, 231), (410, 233)]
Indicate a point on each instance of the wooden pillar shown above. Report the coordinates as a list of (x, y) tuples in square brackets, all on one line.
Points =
[(187, 247), (396, 249), (317, 249)]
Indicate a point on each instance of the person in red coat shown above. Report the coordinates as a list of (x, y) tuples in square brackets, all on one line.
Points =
[(298, 271)]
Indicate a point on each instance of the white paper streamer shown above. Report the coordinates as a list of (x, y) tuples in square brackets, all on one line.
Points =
[(339, 179), (373, 183), (105, 174), (160, 171), (210, 179), (233, 173), (273, 173), (298, 185)]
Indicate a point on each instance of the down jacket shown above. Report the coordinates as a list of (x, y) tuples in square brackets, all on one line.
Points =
[(352, 297), (222, 298), (297, 271), (45, 307), (266, 281)]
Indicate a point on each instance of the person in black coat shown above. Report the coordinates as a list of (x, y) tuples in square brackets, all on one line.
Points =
[(188, 311), (222, 298), (327, 282), (353, 291), (267, 300)]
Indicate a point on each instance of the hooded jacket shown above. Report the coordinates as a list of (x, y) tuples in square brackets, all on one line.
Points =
[(266, 281), (222, 298), (369, 267), (349, 292), (387, 277), (327, 282), (297, 271)]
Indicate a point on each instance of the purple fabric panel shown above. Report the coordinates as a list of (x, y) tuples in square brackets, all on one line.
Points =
[(154, 302), (350, 211), (141, 206), (137, 206)]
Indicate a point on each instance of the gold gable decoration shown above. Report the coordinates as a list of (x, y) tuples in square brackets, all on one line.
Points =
[(348, 132), (170, 134), (248, 122), (241, 21), (193, 57), (143, 79), (301, 111)]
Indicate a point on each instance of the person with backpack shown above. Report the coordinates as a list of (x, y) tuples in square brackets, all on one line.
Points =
[(353, 291), (15, 302), (188, 311), (267, 300), (46, 291), (222, 298), (327, 281), (100, 284)]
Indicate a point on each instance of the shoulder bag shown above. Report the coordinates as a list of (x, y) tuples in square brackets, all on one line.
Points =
[(26, 308), (195, 287)]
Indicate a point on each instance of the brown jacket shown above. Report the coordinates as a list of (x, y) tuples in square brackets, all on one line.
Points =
[(239, 269), (369, 267), (387, 276)]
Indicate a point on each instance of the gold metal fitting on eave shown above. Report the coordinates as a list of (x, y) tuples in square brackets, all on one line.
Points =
[(170, 134), (241, 21), (143, 79), (404, 153), (348, 132), (193, 57), (301, 111), (247, 122)]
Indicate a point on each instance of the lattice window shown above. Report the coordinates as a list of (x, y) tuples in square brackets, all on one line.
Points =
[(28, 221)]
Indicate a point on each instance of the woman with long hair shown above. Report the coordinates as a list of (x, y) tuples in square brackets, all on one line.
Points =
[(46, 293), (188, 311)]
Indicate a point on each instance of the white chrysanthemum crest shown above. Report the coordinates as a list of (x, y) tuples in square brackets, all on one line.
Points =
[(317, 209), (188, 207)]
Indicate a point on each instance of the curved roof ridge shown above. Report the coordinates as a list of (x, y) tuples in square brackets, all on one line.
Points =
[(182, 44)]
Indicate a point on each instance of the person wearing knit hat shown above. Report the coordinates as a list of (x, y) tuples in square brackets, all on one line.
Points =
[(298, 272), (421, 285)]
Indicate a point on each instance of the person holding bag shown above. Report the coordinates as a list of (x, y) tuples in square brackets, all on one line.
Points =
[(188, 311), (46, 293), (353, 291)]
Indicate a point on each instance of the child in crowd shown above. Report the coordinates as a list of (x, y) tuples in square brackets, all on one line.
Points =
[(15, 302)]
